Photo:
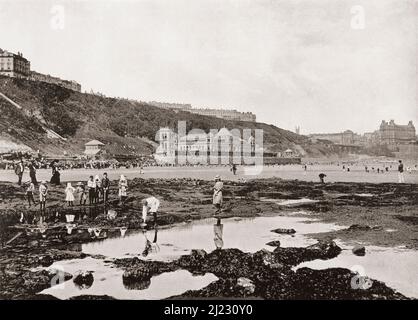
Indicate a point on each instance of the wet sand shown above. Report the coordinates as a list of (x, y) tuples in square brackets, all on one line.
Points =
[(289, 172)]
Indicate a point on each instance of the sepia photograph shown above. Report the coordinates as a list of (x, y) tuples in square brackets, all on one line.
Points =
[(208, 150)]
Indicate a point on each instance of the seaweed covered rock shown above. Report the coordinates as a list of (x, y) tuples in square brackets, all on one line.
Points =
[(359, 250), (321, 250)]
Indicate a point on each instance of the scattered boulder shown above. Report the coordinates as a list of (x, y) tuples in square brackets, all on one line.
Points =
[(325, 249), (284, 231), (359, 227), (275, 243), (359, 250), (84, 279)]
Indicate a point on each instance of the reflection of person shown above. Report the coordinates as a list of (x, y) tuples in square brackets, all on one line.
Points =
[(218, 233), (150, 246), (217, 195), (150, 205)]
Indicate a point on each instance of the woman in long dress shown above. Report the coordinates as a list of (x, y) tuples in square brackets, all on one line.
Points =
[(123, 187), (69, 194)]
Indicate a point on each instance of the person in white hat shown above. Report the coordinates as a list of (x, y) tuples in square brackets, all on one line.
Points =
[(217, 195), (149, 205)]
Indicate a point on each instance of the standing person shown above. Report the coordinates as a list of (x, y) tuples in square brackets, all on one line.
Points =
[(19, 169), (69, 194), (123, 187), (321, 177), (91, 185), (105, 187), (29, 193), (98, 190), (217, 194), (81, 193), (401, 178), (149, 205), (234, 169), (43, 191), (32, 173)]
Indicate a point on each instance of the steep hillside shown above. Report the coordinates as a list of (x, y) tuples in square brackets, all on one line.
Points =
[(126, 127)]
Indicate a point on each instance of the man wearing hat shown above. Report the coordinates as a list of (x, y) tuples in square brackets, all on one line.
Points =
[(19, 169)]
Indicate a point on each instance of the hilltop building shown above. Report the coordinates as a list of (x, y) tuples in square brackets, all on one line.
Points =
[(226, 114), (233, 115), (16, 66), (174, 106), (391, 133), (347, 137), (69, 84)]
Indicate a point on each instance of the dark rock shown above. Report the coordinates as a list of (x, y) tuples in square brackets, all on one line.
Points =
[(359, 250), (321, 250), (84, 279), (325, 249), (132, 284), (275, 243), (285, 231), (359, 227)]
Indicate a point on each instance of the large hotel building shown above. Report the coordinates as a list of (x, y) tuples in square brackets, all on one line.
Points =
[(16, 66)]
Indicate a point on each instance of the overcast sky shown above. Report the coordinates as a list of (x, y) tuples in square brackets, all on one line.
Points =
[(292, 62)]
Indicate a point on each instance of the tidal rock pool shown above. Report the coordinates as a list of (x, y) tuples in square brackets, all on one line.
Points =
[(108, 281), (246, 234), (396, 267)]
